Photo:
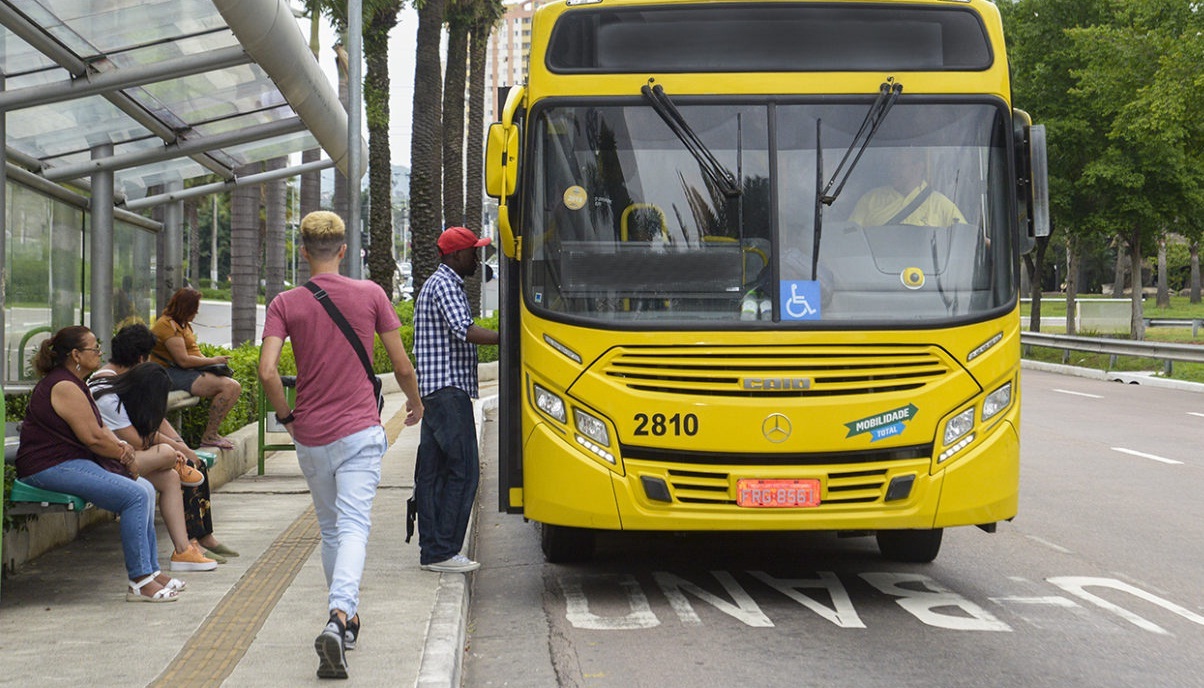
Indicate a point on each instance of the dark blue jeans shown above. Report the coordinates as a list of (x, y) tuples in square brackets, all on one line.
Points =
[(446, 473)]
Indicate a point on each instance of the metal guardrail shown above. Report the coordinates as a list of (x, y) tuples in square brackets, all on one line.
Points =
[(1165, 351), (1193, 323)]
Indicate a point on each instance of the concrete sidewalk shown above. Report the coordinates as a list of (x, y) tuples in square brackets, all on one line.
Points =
[(64, 620)]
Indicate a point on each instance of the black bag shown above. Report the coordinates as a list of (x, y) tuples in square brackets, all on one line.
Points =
[(221, 369), (411, 516), (335, 315)]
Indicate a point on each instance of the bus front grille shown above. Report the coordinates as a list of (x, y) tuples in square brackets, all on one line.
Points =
[(801, 371), (719, 488)]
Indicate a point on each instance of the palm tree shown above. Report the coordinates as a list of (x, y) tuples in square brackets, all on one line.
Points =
[(381, 264), (244, 258), (311, 182), (273, 237), (426, 152), (459, 19), (485, 17)]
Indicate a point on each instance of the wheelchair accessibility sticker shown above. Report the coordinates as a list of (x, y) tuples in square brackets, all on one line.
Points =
[(800, 300)]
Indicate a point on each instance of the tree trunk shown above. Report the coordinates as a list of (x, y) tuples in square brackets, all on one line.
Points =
[(1032, 261), (244, 259), (426, 152), (342, 194), (1118, 284), (275, 267), (194, 243), (311, 200), (1164, 297), (1194, 247), (1137, 323), (381, 264), (453, 120), (1072, 281), (474, 153)]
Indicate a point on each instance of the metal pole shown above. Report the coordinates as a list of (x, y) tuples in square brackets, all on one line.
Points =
[(213, 246), (3, 249), (355, 87), (101, 305), (171, 276)]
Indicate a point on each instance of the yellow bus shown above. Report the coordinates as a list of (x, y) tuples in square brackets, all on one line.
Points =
[(761, 266)]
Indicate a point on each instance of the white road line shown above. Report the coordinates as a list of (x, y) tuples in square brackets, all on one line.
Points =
[(1193, 413), (1143, 455), (1078, 394), (1047, 543)]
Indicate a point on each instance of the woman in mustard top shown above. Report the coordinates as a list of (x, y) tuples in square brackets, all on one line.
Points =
[(177, 350)]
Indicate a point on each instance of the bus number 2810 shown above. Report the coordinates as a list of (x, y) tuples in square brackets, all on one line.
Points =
[(658, 424)]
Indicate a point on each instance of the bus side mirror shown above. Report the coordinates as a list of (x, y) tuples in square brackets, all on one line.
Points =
[(1040, 180), (1032, 180), (501, 160)]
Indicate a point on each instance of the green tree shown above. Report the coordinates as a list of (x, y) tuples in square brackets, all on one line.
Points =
[(426, 151), (244, 258), (381, 264)]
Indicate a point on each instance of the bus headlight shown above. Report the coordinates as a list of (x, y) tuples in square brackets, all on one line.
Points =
[(594, 435), (959, 425), (591, 427), (550, 404), (957, 434), (996, 401)]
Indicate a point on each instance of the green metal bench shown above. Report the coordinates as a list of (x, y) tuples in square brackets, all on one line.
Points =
[(267, 419)]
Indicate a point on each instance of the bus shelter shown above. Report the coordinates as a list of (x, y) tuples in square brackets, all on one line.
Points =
[(107, 110)]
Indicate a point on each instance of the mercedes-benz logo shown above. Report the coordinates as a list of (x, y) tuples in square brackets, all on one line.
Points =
[(776, 428)]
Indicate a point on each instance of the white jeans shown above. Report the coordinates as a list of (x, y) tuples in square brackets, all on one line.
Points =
[(342, 478)]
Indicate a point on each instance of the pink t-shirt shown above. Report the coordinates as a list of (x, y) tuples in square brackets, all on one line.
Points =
[(334, 396)]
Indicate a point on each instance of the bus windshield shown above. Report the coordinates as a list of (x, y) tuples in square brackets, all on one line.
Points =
[(625, 225)]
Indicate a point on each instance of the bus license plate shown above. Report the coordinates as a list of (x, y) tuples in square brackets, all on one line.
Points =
[(777, 493)]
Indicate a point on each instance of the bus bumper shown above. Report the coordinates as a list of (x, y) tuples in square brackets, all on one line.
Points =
[(564, 486)]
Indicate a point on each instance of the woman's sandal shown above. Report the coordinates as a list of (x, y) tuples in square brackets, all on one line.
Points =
[(218, 443), (134, 593), (171, 583)]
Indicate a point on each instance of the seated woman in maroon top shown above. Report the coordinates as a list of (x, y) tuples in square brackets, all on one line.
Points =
[(65, 448)]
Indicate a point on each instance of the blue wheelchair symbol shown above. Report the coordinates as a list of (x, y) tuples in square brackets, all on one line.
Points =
[(800, 300)]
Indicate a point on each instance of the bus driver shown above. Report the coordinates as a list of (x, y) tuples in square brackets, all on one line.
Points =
[(908, 199)]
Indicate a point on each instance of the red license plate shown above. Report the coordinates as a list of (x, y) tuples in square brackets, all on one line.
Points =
[(777, 493)]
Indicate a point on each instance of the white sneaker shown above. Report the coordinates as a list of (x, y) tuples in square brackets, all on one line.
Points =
[(457, 564)]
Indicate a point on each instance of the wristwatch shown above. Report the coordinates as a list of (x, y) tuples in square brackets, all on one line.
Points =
[(286, 419)]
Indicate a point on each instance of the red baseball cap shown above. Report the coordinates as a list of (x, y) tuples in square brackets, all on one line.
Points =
[(459, 238)]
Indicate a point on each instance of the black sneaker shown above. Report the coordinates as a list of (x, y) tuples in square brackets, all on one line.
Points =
[(352, 632), (332, 662)]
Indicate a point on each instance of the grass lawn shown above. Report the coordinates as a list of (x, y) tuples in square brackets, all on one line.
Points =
[(1053, 308)]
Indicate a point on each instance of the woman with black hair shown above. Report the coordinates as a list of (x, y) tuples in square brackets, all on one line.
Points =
[(131, 347), (133, 406), (65, 448), (177, 350)]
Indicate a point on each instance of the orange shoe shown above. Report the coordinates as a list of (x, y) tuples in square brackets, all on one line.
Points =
[(191, 559), (189, 476)]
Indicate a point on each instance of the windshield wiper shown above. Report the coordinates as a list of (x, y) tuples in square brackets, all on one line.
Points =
[(711, 167), (888, 93)]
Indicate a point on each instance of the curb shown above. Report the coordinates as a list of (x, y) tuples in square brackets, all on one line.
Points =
[(443, 653), (1132, 378)]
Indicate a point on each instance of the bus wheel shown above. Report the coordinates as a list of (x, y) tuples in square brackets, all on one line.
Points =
[(565, 545), (914, 546)]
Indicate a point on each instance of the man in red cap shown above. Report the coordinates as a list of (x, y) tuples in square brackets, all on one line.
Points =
[(445, 345)]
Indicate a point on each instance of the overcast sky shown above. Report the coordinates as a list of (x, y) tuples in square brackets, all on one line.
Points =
[(401, 79)]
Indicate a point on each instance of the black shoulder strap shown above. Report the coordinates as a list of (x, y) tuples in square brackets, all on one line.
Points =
[(911, 207), (335, 315)]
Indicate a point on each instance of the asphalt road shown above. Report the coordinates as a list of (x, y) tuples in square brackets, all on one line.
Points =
[(1096, 582)]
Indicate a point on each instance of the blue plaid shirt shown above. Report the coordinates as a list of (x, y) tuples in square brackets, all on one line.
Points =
[(441, 320)]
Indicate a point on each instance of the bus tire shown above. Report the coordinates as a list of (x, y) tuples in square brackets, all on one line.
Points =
[(912, 546), (565, 545)]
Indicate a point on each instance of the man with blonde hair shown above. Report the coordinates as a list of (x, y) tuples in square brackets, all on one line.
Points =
[(336, 423)]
